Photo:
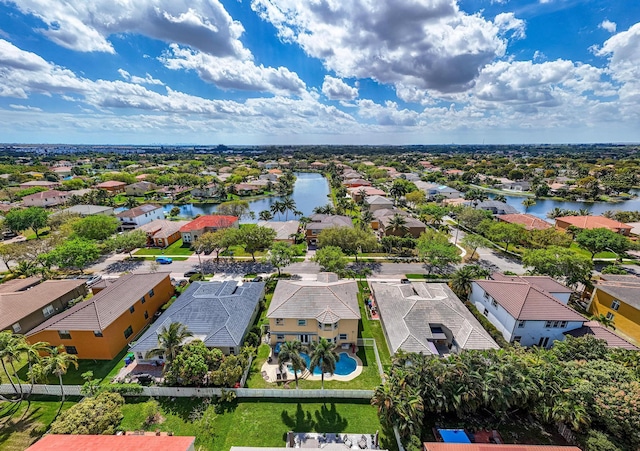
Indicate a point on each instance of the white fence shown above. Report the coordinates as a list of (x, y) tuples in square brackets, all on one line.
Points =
[(372, 342), (206, 392)]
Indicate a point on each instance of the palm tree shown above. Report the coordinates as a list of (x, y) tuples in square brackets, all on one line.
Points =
[(325, 210), (528, 202), (131, 202), (555, 212), (170, 340), (500, 198), (323, 356), (604, 320), (475, 195), (265, 215), (584, 212), (57, 363), (9, 352), (366, 216), (461, 279), (290, 352), (277, 207), (397, 190), (33, 352), (397, 223), (288, 204)]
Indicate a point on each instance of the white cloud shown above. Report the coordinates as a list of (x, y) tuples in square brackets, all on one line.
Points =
[(608, 25), (336, 89), (508, 22), (24, 107), (147, 80), (87, 26), (624, 63), (429, 45), (388, 114)]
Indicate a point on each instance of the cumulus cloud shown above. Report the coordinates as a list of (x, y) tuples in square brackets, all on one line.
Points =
[(388, 114), (624, 62), (608, 25), (147, 80), (508, 22), (336, 89), (87, 26), (24, 107), (429, 45)]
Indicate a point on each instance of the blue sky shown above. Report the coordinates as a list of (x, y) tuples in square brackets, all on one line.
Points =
[(319, 71)]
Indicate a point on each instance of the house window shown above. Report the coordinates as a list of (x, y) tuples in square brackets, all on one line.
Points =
[(615, 305), (139, 356), (494, 303), (146, 315), (556, 323), (279, 337), (302, 322), (97, 333), (343, 336), (151, 293), (547, 323), (48, 311), (128, 332), (232, 351), (143, 300), (610, 316), (521, 323), (279, 321), (71, 350), (563, 324), (517, 339), (132, 309), (16, 327), (64, 334), (486, 295), (327, 326)]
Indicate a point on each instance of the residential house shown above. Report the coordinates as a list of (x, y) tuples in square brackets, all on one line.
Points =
[(26, 303), (207, 191), (495, 207), (139, 188), (139, 216), (101, 327), (355, 183), (248, 189), (357, 192), (285, 230), (527, 310), (62, 171), (447, 192), (49, 198), (208, 223), (383, 218), (319, 222), (162, 232), (88, 210), (306, 311), (593, 222), (40, 184), (427, 318), (218, 313), (511, 185), (378, 203), (528, 221), (150, 441), (601, 332), (617, 297), (318, 165), (112, 186), (454, 172)]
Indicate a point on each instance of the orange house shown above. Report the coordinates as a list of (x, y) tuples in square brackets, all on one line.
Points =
[(102, 326)]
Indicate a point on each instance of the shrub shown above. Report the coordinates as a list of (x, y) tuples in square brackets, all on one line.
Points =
[(599, 441), (495, 333), (92, 416)]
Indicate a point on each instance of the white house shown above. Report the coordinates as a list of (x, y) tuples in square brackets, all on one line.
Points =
[(138, 216), (524, 309), (49, 198)]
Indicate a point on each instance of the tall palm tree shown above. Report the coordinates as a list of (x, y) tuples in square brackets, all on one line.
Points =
[(131, 202), (555, 212), (288, 204), (8, 354), (34, 352), (323, 356), (170, 341), (475, 195), (57, 362), (584, 212), (290, 352), (500, 198), (528, 202), (366, 216), (397, 223), (277, 207), (265, 215), (461, 279), (606, 322), (397, 190)]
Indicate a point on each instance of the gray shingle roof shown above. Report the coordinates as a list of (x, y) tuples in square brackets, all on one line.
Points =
[(624, 287), (218, 313), (409, 310), (331, 300)]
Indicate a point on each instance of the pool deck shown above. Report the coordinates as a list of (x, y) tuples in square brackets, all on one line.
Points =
[(270, 371)]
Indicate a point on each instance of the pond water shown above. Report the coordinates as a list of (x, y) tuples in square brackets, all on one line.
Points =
[(311, 190), (543, 206)]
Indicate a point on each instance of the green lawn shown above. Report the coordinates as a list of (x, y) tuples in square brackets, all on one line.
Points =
[(103, 370), (255, 423), (373, 329), (175, 249), (20, 428), (574, 247)]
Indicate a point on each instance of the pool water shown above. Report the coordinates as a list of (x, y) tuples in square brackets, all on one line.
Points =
[(454, 436), (344, 366)]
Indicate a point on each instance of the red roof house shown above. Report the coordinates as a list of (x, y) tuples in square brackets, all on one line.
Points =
[(54, 442), (208, 223), (529, 222), (593, 222), (113, 186)]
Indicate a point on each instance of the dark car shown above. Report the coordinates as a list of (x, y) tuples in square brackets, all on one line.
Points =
[(191, 272), (257, 279)]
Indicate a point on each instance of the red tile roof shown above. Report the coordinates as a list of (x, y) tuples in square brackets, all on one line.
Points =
[(493, 447), (213, 221), (110, 442), (110, 184), (593, 222), (599, 331), (523, 301), (529, 222), (542, 283)]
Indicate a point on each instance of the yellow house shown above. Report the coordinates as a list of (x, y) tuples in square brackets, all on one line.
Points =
[(102, 326), (309, 310), (617, 297)]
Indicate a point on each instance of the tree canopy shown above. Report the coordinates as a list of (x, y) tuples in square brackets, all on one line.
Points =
[(96, 227), (330, 258), (34, 218), (560, 263), (602, 239)]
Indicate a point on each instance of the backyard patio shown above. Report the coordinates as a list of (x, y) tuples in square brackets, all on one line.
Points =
[(332, 441)]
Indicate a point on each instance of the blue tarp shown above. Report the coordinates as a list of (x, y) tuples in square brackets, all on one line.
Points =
[(277, 349), (454, 436)]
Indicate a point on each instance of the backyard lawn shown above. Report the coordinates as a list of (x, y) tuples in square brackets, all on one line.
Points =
[(21, 428), (373, 329), (175, 249), (254, 423)]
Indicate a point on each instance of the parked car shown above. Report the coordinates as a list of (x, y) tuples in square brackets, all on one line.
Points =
[(257, 279), (191, 272), (95, 278), (164, 260), (405, 281)]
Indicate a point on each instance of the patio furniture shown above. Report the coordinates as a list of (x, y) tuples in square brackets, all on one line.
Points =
[(362, 443), (265, 376)]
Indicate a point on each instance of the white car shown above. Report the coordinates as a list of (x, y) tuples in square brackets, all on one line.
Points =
[(94, 279)]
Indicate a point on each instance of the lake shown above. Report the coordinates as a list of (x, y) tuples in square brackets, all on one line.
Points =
[(543, 206), (311, 190)]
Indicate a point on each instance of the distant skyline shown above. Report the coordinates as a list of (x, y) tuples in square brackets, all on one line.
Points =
[(252, 72)]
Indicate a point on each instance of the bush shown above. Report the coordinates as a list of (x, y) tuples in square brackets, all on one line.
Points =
[(252, 339), (123, 389), (599, 441), (196, 278), (495, 333), (614, 269), (92, 416)]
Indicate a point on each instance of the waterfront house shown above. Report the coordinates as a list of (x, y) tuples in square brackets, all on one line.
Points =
[(162, 232), (529, 222), (286, 231), (138, 216), (495, 207), (617, 297), (593, 222), (208, 223), (357, 192), (101, 327), (319, 222), (219, 314), (307, 310), (427, 318), (88, 210), (382, 220), (50, 198), (139, 188), (207, 191), (112, 186)]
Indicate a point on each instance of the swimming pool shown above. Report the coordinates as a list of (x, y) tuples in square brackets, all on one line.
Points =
[(454, 436), (344, 366)]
